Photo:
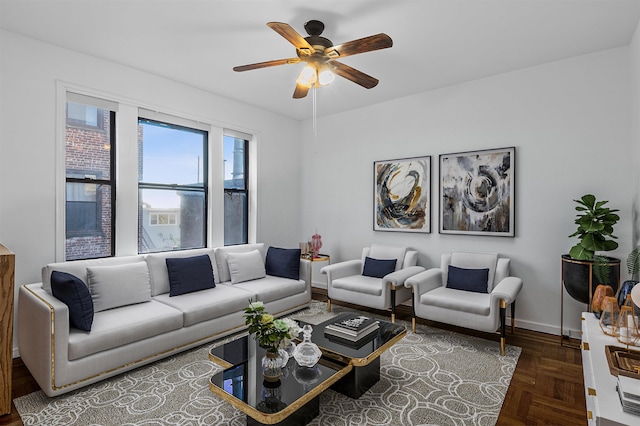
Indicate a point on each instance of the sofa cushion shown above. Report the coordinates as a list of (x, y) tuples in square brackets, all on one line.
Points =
[(388, 252), (360, 284), (208, 304), (158, 273), (273, 288), (189, 274), (457, 300), (124, 325), (75, 294), (120, 285), (79, 267), (378, 268), (468, 279), (471, 260), (284, 263), (221, 254), (246, 266)]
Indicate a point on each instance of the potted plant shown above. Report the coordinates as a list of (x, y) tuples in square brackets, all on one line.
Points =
[(633, 267), (595, 224)]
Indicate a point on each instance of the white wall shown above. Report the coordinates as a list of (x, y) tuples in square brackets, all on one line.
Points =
[(29, 71), (634, 50), (569, 121)]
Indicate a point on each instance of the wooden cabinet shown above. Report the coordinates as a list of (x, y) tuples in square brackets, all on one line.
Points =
[(603, 403), (7, 273)]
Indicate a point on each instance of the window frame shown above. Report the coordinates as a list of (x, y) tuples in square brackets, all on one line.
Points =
[(92, 180), (204, 188), (245, 190)]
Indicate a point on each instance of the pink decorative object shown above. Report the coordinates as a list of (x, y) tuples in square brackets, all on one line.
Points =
[(316, 244)]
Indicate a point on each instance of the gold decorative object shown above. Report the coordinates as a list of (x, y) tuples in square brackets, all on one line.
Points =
[(609, 316), (627, 327)]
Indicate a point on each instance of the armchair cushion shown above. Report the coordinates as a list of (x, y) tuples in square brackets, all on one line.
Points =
[(189, 274), (378, 268), (75, 294), (468, 279), (284, 263), (360, 284), (457, 300)]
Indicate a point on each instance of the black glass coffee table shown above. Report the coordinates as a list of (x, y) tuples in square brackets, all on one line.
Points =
[(295, 399)]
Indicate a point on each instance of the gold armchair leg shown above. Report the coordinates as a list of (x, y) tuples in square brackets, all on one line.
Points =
[(328, 305), (413, 324), (502, 344), (393, 318)]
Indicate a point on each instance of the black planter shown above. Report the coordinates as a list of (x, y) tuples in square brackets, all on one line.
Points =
[(578, 274)]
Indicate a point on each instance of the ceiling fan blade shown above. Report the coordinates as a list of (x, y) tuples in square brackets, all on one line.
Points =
[(354, 75), (286, 31), (267, 64), (362, 45), (300, 91)]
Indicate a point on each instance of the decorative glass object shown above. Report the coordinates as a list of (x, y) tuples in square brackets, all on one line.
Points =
[(627, 327), (271, 367), (601, 291), (307, 354), (316, 244), (609, 315)]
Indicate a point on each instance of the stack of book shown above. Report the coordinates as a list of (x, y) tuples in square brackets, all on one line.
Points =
[(351, 328), (629, 393)]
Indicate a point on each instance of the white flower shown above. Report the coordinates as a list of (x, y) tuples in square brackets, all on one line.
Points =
[(294, 328), (256, 305)]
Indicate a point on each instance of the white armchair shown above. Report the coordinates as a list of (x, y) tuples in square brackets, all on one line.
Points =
[(459, 296), (376, 280)]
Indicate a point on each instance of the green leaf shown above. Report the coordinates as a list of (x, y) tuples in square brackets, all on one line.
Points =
[(580, 253)]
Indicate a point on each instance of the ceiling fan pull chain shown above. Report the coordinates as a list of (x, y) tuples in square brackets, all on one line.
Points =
[(315, 111)]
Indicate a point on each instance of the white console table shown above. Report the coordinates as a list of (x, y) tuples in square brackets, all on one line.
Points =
[(603, 403)]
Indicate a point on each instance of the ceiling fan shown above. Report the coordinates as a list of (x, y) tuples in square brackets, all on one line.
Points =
[(320, 55)]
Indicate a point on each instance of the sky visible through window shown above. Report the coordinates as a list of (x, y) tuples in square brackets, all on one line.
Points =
[(174, 156)]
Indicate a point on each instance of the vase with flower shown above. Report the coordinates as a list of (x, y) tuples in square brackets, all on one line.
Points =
[(273, 335)]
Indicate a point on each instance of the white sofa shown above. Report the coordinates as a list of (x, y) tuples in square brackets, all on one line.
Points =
[(125, 336)]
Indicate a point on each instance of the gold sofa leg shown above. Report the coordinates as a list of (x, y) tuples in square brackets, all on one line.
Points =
[(328, 305)]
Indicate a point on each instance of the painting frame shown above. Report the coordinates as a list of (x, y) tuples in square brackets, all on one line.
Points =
[(477, 192), (402, 195)]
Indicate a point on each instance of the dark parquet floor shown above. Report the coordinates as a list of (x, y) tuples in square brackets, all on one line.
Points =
[(546, 388)]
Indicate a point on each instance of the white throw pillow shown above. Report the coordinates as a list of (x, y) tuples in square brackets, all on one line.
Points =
[(121, 285), (246, 266)]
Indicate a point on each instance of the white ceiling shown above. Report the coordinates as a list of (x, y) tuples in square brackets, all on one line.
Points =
[(436, 43)]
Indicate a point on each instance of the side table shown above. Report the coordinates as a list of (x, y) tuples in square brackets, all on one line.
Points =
[(315, 265), (603, 402)]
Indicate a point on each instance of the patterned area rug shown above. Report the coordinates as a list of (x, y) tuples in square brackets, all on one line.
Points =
[(431, 377)]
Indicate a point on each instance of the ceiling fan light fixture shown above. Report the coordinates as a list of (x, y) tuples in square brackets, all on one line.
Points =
[(325, 76), (307, 76)]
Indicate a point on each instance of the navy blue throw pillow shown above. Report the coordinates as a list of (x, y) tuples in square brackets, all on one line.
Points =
[(468, 279), (75, 294), (189, 274), (378, 268), (284, 263)]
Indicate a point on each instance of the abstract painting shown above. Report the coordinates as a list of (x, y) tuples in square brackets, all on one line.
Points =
[(477, 192), (402, 200)]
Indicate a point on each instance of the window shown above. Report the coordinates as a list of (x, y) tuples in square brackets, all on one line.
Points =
[(89, 166), (172, 186), (236, 209)]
